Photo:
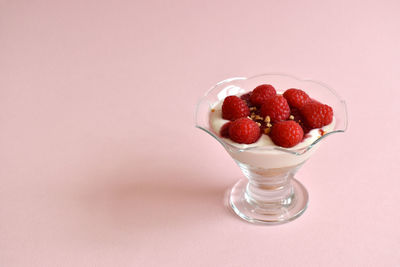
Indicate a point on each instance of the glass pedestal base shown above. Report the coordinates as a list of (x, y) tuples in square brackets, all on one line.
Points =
[(264, 212)]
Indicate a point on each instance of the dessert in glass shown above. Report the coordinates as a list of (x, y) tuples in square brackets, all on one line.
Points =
[(270, 124)]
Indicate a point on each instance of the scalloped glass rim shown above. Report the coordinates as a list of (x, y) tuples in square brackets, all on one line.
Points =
[(297, 151)]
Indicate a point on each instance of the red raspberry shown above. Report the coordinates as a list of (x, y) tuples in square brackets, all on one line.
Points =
[(262, 93), (296, 97), (316, 114), (244, 131), (224, 132), (296, 114), (246, 98), (314, 101), (299, 119), (286, 133), (276, 108), (234, 108)]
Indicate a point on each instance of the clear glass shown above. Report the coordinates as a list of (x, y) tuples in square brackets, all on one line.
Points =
[(269, 194)]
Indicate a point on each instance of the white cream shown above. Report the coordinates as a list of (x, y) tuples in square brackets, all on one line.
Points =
[(269, 157)]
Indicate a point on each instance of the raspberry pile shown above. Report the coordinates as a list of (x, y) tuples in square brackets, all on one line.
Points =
[(286, 117)]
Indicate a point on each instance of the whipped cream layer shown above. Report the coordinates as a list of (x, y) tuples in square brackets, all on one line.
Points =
[(268, 158)]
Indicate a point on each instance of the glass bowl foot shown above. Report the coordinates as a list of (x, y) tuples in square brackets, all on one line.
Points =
[(268, 213)]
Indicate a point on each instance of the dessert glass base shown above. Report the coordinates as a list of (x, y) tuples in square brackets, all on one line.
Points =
[(275, 208), (270, 194)]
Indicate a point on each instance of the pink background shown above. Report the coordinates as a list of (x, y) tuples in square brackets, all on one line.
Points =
[(100, 162)]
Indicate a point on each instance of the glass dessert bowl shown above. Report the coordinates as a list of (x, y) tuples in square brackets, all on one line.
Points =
[(269, 194)]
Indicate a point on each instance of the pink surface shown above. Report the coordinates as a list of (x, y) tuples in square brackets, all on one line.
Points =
[(100, 163)]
